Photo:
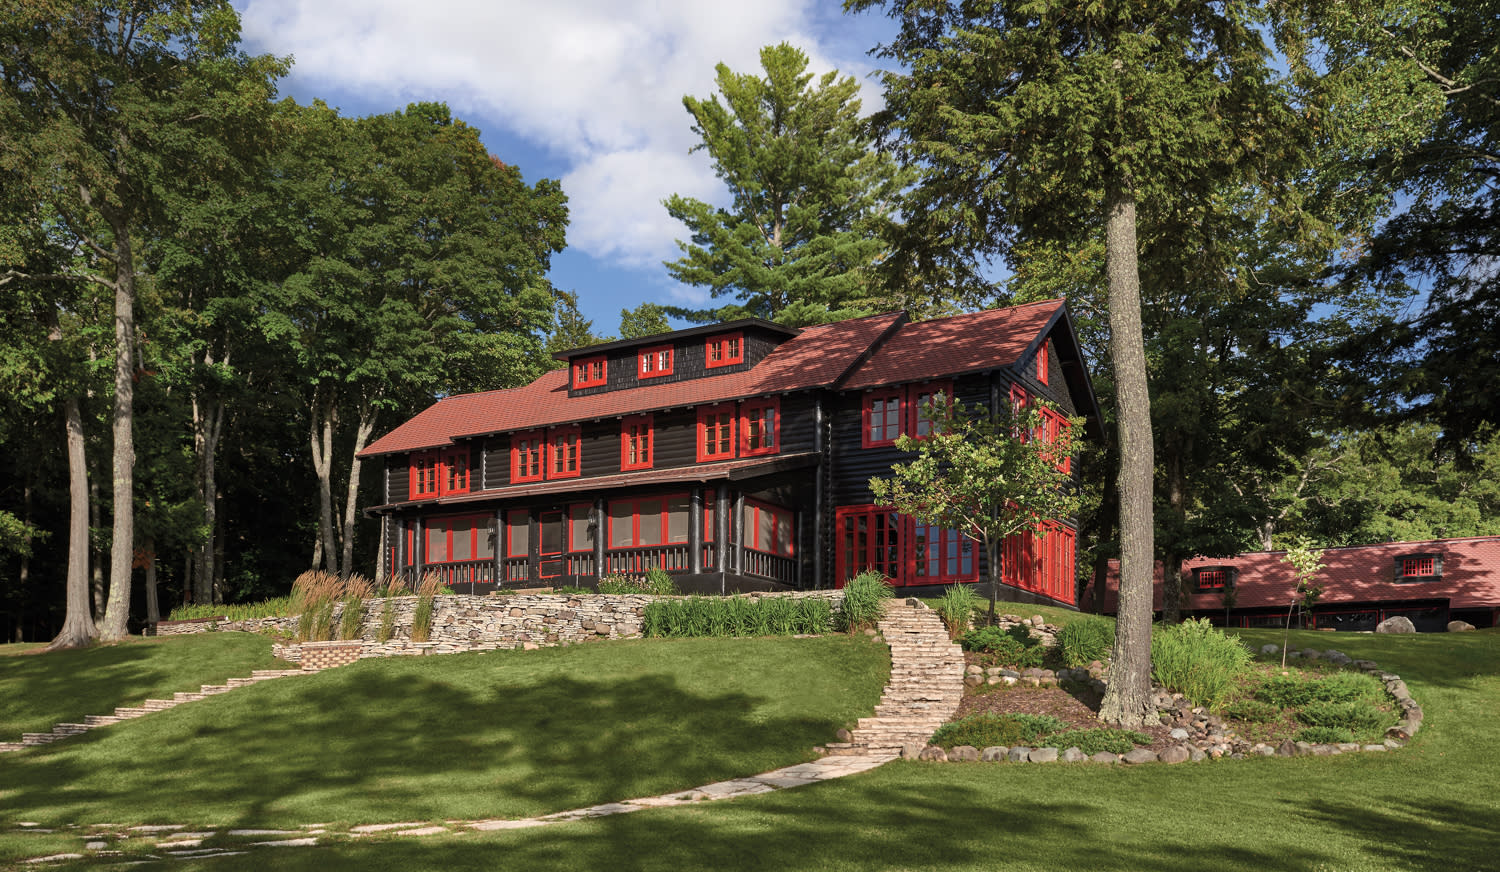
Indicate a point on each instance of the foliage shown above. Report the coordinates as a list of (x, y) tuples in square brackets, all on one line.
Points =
[(357, 589), (1092, 741), (864, 600), (1199, 661), (647, 319), (387, 620), (683, 617), (277, 607), (810, 195), (655, 582), (1015, 646), (1293, 691), (1360, 718), (956, 608), (1252, 710), (987, 730), (1306, 563), (421, 618), (1323, 735), (314, 594), (1084, 641)]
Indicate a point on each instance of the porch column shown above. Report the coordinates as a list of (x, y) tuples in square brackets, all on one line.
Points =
[(738, 522), (533, 547), (418, 535), (601, 529), (499, 548), (399, 571), (721, 534), (695, 531)]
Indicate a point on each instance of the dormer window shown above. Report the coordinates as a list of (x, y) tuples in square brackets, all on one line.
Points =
[(724, 350), (1208, 579), (1419, 567), (589, 372), (654, 362)]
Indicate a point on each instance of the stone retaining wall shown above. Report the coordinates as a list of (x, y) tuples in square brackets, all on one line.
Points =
[(327, 655)]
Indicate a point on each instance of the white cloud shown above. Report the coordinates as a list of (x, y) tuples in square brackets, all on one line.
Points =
[(599, 82)]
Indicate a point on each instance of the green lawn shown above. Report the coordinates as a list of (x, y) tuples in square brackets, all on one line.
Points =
[(502, 734), (39, 689)]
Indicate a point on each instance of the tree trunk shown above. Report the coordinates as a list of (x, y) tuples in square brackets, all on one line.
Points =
[(1171, 575), (208, 425), (1127, 702), (351, 502), (122, 541), (96, 557), (153, 609), (23, 575), (322, 456), (992, 553), (78, 626)]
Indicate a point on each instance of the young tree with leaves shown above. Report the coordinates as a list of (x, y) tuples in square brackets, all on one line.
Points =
[(811, 199), (988, 475)]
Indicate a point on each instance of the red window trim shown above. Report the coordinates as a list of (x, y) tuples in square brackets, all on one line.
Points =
[(584, 368), (1042, 362), (420, 465), (652, 356), (509, 540), (635, 520), (751, 406), (1053, 425), (914, 404), (866, 440), (573, 432), (644, 458), (719, 345), (446, 471), (474, 531), (538, 454), (713, 411), (1419, 566), (588, 509), (752, 536), (1211, 578), (943, 576), (843, 571)]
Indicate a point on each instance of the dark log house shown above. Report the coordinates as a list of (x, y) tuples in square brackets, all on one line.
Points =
[(736, 456)]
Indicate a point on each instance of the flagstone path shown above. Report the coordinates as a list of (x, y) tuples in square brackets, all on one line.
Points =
[(926, 684)]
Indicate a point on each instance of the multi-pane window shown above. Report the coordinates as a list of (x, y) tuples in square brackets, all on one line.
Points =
[(724, 350), (424, 475), (1212, 579), (1042, 361), (882, 417), (758, 426), (641, 523), (518, 533), (943, 555), (580, 527), (869, 537), (768, 528), (526, 450), (440, 473), (1054, 425), (1419, 567), (589, 372), (562, 452), (456, 469), (923, 397), (454, 540), (888, 413), (716, 432), (636, 435), (654, 362)]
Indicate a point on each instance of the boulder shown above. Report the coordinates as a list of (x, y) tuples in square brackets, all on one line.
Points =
[(1396, 624), (1018, 755), (1459, 626), (1140, 755), (912, 751), (842, 735), (1073, 755), (1174, 754), (1287, 749), (1270, 650), (1042, 755), (964, 754), (933, 753), (973, 669), (994, 754), (1179, 733), (1038, 621)]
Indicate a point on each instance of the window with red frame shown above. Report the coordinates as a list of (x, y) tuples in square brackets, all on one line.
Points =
[(759, 422), (868, 537), (439, 473), (945, 556), (518, 533), (1211, 579), (580, 527), (562, 452), (456, 471), (1054, 425), (424, 475), (589, 372), (636, 436), (654, 362), (1042, 362), (1419, 566), (725, 350), (649, 521), (459, 539), (768, 528), (921, 398), (882, 417), (526, 457), (716, 432)]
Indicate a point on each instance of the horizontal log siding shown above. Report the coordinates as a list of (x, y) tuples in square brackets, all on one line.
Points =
[(398, 478), (496, 462), (798, 423), (599, 445), (1056, 389), (676, 434), (621, 370)]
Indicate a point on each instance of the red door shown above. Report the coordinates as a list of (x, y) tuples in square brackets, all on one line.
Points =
[(553, 544)]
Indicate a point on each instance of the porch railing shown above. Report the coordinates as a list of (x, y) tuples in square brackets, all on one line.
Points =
[(632, 560), (772, 566)]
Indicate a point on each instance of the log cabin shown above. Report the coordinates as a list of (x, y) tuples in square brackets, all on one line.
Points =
[(736, 456)]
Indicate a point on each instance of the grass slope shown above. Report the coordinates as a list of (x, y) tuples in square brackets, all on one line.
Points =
[(40, 689), (502, 734), (1430, 806)]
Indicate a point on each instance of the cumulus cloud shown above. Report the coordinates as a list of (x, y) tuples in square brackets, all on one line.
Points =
[(597, 82)]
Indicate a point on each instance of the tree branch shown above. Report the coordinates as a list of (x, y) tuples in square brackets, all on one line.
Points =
[(1450, 87)]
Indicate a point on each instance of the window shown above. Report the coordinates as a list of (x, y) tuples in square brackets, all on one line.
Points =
[(458, 539), (868, 537), (518, 533), (648, 521), (921, 400), (716, 432), (580, 527), (440, 473), (944, 556), (526, 457), (725, 350), (881, 418), (456, 468), (562, 452), (1209, 578), (588, 372), (654, 362), (768, 528), (1054, 425), (635, 442), (424, 475), (1419, 567), (758, 427), (1042, 362)]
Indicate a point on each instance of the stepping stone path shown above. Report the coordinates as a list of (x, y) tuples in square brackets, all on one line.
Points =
[(926, 686), (92, 722)]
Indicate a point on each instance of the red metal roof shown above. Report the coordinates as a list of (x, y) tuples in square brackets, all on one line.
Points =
[(950, 346), (1358, 573)]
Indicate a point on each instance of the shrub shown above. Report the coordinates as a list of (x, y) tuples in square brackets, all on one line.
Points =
[(955, 608), (1284, 691), (1291, 691), (1005, 646), (814, 615), (864, 597), (656, 582), (278, 607), (985, 730), (1357, 717), (1092, 741), (1086, 640), (421, 619), (1198, 661), (1324, 735), (387, 620), (1252, 710)]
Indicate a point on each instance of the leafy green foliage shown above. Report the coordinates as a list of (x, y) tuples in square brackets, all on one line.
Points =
[(1252, 710), (864, 598), (277, 607), (1085, 640), (655, 582), (956, 607), (1094, 740), (682, 617), (986, 730), (1323, 735), (1015, 646), (1293, 691), (387, 620), (1199, 661), (1361, 719)]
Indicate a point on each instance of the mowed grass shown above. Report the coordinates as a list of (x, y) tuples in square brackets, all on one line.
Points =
[(39, 689), (501, 734), (1430, 806)]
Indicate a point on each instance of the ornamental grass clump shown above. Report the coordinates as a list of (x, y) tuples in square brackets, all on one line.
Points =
[(864, 598), (682, 617), (1085, 640), (357, 589), (956, 607), (814, 615), (1198, 661), (314, 594), (421, 619)]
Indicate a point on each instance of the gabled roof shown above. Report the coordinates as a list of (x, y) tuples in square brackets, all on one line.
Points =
[(861, 352), (675, 335), (1358, 573)]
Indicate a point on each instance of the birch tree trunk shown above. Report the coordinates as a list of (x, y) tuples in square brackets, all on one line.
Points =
[(122, 542), (78, 625), (1127, 702), (321, 437)]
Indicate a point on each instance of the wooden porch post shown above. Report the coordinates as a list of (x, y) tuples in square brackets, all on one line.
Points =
[(721, 535), (418, 552), (399, 571), (601, 528), (738, 523), (499, 548)]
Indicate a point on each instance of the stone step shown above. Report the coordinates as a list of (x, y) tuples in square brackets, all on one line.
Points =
[(127, 713), (186, 697), (11, 746), (100, 720), (70, 729), (37, 738), (157, 705), (214, 689)]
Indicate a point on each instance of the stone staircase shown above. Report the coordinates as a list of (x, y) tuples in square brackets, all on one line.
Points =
[(926, 686), (63, 731)]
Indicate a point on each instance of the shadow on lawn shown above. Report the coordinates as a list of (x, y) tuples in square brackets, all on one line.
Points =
[(54, 683)]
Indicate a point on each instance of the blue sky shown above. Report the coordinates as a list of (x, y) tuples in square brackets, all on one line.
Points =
[(585, 91)]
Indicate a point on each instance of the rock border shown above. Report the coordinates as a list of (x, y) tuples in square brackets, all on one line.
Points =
[(1200, 735)]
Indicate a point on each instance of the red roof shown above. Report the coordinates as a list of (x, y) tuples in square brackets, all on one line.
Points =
[(827, 355), (1359, 573), (951, 346)]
